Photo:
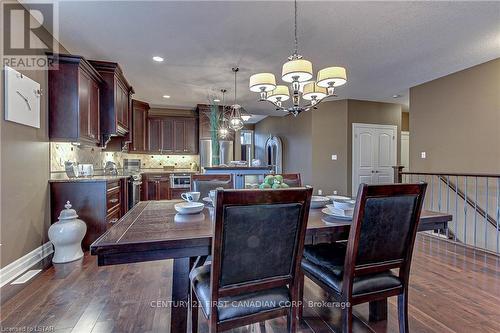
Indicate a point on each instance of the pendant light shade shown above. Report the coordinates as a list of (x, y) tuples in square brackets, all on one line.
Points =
[(235, 121), (262, 81), (313, 91), (299, 68), (280, 93), (329, 76)]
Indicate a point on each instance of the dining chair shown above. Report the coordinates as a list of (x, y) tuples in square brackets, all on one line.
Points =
[(292, 179), (205, 183), (256, 252), (381, 239)]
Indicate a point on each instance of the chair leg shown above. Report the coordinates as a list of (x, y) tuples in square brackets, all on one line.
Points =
[(194, 312), (403, 312), (347, 319), (291, 321), (300, 310)]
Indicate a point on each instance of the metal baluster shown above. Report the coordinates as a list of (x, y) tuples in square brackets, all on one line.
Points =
[(475, 210), (465, 210), (498, 211), (456, 207), (432, 193), (447, 203), (486, 215)]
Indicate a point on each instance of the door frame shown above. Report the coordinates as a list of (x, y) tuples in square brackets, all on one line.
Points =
[(354, 151), (405, 134)]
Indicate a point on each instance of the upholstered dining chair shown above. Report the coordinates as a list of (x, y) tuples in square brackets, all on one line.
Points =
[(256, 252), (381, 239), (205, 183), (292, 179)]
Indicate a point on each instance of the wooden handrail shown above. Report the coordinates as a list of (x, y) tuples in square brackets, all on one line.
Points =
[(453, 174)]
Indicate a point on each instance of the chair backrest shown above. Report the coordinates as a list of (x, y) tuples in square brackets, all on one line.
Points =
[(205, 183), (384, 227), (258, 239), (292, 179)]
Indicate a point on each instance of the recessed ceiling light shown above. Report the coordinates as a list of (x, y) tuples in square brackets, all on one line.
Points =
[(158, 59), (396, 96), (166, 96), (216, 100)]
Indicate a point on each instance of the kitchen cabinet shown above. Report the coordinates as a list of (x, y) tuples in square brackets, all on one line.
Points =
[(74, 90), (173, 135), (205, 132), (139, 126), (99, 203), (115, 100), (157, 186)]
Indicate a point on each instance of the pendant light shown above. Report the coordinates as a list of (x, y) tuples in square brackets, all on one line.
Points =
[(235, 120), (223, 130)]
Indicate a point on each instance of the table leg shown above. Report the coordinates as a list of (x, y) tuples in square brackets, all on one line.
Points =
[(180, 295), (378, 310)]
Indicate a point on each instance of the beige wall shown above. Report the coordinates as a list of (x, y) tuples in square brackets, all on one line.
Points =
[(25, 213), (456, 120), (312, 140), (329, 136), (405, 121), (296, 136)]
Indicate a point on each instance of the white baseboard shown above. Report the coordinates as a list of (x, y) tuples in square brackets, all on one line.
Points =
[(21, 265)]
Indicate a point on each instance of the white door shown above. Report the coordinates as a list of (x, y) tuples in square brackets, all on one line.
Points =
[(405, 150), (373, 154)]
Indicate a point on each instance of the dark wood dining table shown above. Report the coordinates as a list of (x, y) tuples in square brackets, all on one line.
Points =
[(152, 230)]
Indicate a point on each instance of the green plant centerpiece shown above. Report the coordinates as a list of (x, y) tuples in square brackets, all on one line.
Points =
[(274, 182)]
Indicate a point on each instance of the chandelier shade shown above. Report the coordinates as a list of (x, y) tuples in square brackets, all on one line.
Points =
[(313, 91), (262, 82), (281, 93), (332, 76), (297, 69)]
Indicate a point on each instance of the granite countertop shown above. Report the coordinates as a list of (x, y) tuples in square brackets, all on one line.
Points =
[(238, 168), (61, 177)]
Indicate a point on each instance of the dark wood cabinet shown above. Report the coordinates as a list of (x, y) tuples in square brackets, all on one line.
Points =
[(175, 193), (205, 132), (74, 89), (157, 186), (173, 135), (139, 126), (115, 100), (100, 204)]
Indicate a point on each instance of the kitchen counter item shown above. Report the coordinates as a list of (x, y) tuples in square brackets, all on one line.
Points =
[(67, 235), (71, 169), (110, 169)]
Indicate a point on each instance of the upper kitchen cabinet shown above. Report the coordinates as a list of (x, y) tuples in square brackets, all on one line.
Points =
[(74, 100), (115, 100), (139, 126), (173, 135)]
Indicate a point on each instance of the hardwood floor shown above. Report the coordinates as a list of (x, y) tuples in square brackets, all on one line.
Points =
[(452, 289)]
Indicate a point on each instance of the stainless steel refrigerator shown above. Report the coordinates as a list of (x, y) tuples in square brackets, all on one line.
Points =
[(226, 152)]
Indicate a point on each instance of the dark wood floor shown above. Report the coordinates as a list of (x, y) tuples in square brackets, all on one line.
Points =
[(452, 289)]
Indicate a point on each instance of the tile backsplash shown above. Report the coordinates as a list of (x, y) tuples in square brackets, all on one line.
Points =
[(61, 152)]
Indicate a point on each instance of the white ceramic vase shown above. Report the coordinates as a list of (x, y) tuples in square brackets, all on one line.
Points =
[(66, 235)]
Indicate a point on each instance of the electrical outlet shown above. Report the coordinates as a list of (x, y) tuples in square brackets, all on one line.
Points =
[(334, 157), (423, 155), (335, 192)]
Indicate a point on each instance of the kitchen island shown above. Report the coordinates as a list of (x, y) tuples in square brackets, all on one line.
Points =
[(242, 175)]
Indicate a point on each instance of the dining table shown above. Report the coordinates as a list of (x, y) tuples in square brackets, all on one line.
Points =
[(152, 230)]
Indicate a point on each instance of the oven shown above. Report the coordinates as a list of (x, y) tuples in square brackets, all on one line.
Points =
[(180, 181)]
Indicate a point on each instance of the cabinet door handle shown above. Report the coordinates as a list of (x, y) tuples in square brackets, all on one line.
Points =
[(113, 221), (113, 200)]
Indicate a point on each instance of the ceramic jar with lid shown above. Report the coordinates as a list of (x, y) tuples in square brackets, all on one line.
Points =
[(66, 235)]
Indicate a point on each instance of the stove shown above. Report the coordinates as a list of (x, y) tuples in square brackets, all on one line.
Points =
[(132, 167)]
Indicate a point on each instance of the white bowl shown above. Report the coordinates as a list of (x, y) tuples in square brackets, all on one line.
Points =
[(319, 201), (337, 197), (189, 207), (183, 218), (344, 204)]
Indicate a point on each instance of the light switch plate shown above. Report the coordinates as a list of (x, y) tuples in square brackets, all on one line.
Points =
[(334, 157), (423, 155)]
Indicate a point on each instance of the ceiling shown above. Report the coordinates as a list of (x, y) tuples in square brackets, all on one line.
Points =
[(387, 47)]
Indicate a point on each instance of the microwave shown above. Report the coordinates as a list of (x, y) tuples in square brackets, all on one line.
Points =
[(180, 181)]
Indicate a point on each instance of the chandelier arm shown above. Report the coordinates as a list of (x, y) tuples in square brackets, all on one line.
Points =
[(275, 105)]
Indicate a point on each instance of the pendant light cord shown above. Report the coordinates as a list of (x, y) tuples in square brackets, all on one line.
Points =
[(296, 50)]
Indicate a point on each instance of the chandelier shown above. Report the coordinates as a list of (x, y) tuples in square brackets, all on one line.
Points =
[(298, 72), (235, 120)]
